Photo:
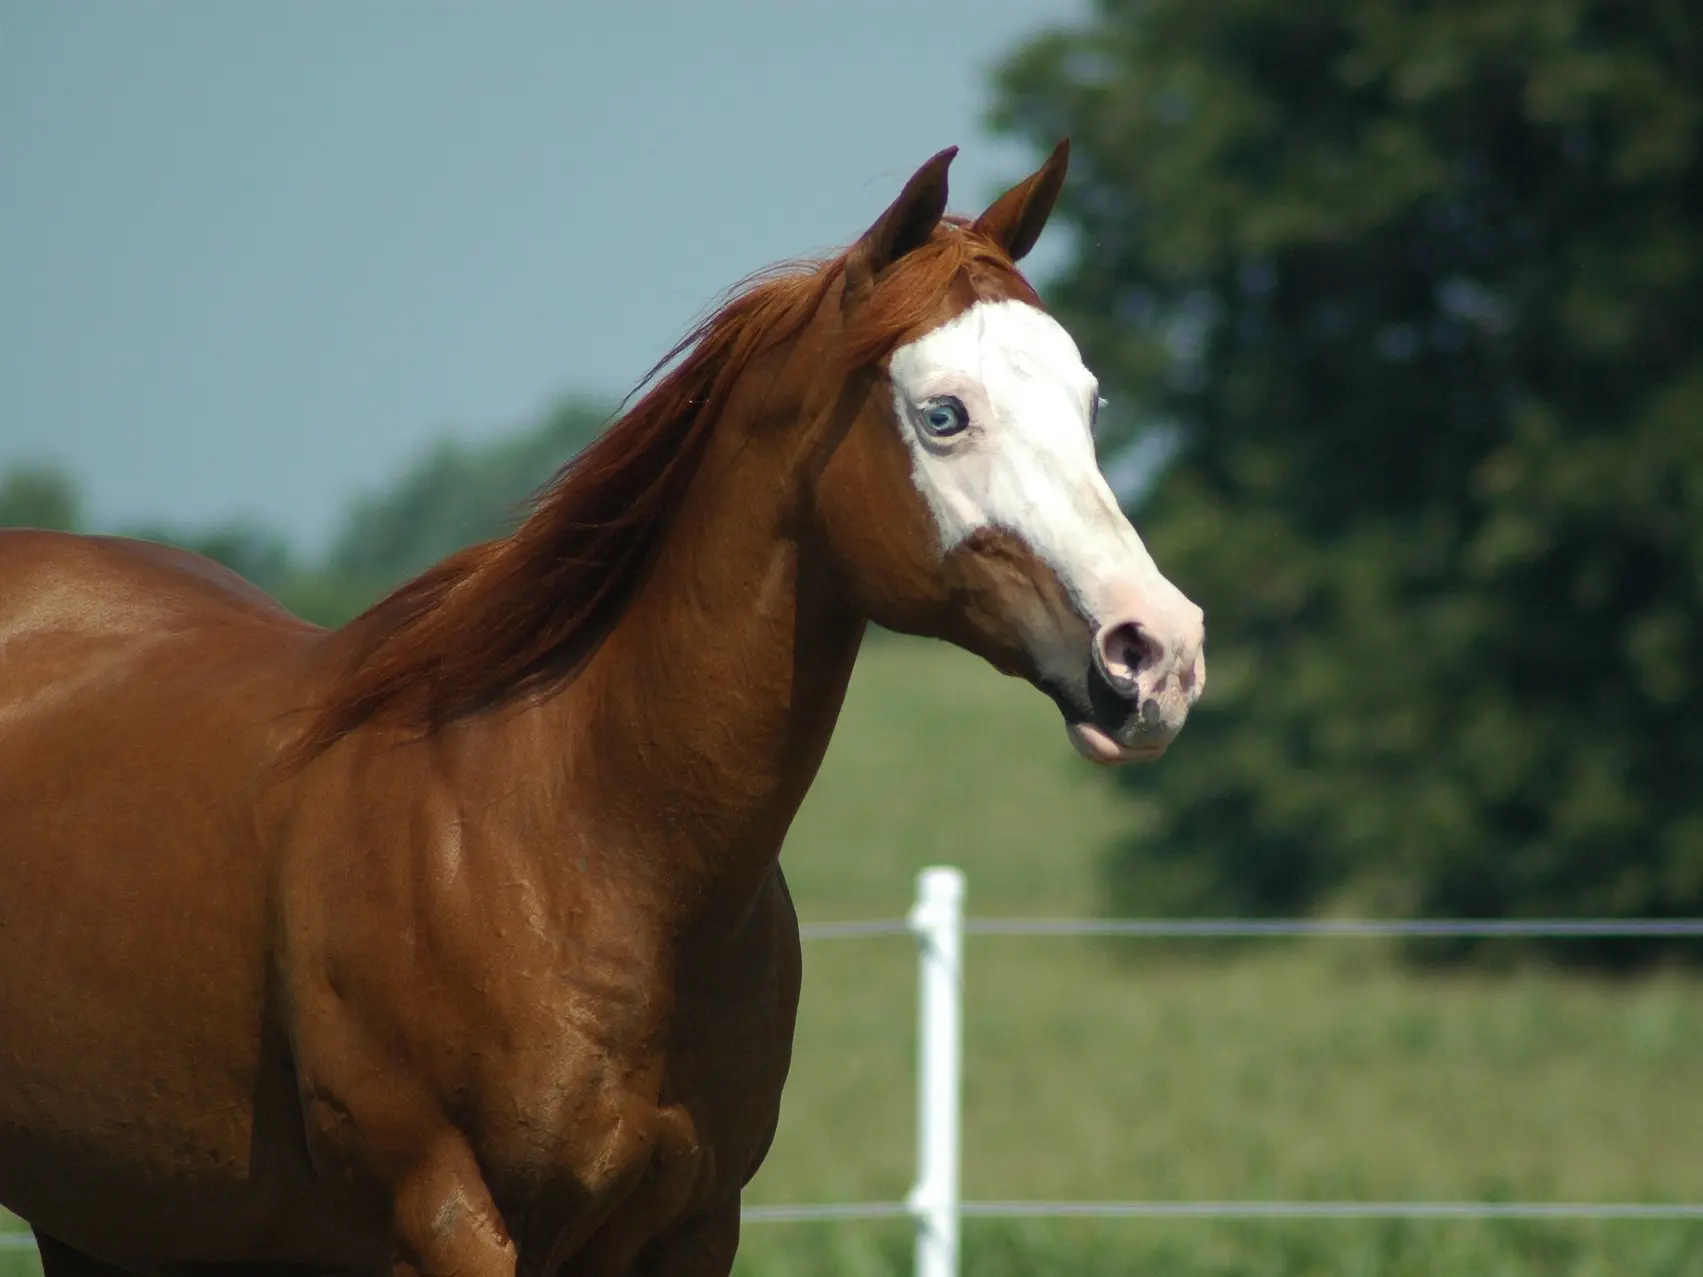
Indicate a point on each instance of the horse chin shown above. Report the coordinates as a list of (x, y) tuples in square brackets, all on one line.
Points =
[(1098, 746)]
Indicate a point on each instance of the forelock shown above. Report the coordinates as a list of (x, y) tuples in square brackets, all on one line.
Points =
[(931, 286)]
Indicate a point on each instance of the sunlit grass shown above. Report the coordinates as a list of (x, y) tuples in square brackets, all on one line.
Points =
[(1115, 1071)]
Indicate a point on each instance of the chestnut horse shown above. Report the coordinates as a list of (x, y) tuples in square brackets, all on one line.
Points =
[(454, 942)]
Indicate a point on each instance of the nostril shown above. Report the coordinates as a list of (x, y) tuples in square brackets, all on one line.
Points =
[(1127, 651)]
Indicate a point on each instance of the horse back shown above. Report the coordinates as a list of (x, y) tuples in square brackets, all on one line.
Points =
[(57, 582)]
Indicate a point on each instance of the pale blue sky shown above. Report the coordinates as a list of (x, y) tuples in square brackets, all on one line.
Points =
[(253, 257)]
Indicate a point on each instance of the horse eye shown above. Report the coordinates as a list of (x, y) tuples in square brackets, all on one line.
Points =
[(1094, 412), (944, 416)]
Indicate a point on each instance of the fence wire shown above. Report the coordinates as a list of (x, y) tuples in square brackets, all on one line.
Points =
[(1334, 1210), (1286, 928), (1252, 929), (831, 1212)]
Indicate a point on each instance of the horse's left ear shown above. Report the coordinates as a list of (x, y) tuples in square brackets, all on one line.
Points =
[(1014, 220)]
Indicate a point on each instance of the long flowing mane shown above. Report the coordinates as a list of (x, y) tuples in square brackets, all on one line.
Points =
[(519, 614)]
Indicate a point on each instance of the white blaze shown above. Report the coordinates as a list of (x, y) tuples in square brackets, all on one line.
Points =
[(1026, 463)]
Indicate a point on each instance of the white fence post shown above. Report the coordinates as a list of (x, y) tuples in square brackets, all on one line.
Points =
[(937, 920)]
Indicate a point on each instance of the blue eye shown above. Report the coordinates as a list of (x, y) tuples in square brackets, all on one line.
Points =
[(944, 416)]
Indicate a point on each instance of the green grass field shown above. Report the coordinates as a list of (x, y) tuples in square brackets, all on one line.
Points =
[(1113, 1070)]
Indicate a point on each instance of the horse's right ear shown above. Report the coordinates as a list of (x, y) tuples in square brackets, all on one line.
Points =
[(907, 224)]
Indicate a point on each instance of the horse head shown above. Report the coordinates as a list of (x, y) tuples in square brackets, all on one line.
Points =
[(963, 499)]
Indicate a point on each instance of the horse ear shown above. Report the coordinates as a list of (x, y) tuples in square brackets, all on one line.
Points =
[(1014, 220), (907, 223)]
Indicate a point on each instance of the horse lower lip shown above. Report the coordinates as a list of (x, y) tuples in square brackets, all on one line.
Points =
[(1099, 746), (1093, 744)]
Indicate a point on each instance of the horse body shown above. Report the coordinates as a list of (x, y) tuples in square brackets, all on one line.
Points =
[(455, 941), (619, 992), (134, 911)]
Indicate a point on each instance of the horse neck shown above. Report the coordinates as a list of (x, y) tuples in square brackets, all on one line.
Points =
[(699, 724)]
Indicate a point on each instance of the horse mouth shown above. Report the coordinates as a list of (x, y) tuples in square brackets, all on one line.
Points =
[(1099, 746), (1105, 726)]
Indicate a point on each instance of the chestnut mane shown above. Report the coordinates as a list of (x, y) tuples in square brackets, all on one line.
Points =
[(520, 613)]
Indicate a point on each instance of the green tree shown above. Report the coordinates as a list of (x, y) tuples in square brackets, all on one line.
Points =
[(1419, 287), (39, 497), (458, 494)]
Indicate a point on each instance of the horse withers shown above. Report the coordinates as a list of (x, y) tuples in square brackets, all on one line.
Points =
[(453, 942)]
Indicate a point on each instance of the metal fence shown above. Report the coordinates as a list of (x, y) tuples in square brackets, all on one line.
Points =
[(935, 1205)]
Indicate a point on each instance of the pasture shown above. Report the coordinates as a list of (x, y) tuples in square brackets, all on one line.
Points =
[(1112, 1070)]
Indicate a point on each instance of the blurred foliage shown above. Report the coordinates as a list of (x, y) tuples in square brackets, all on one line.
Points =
[(459, 493), (1420, 289), (38, 497)]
